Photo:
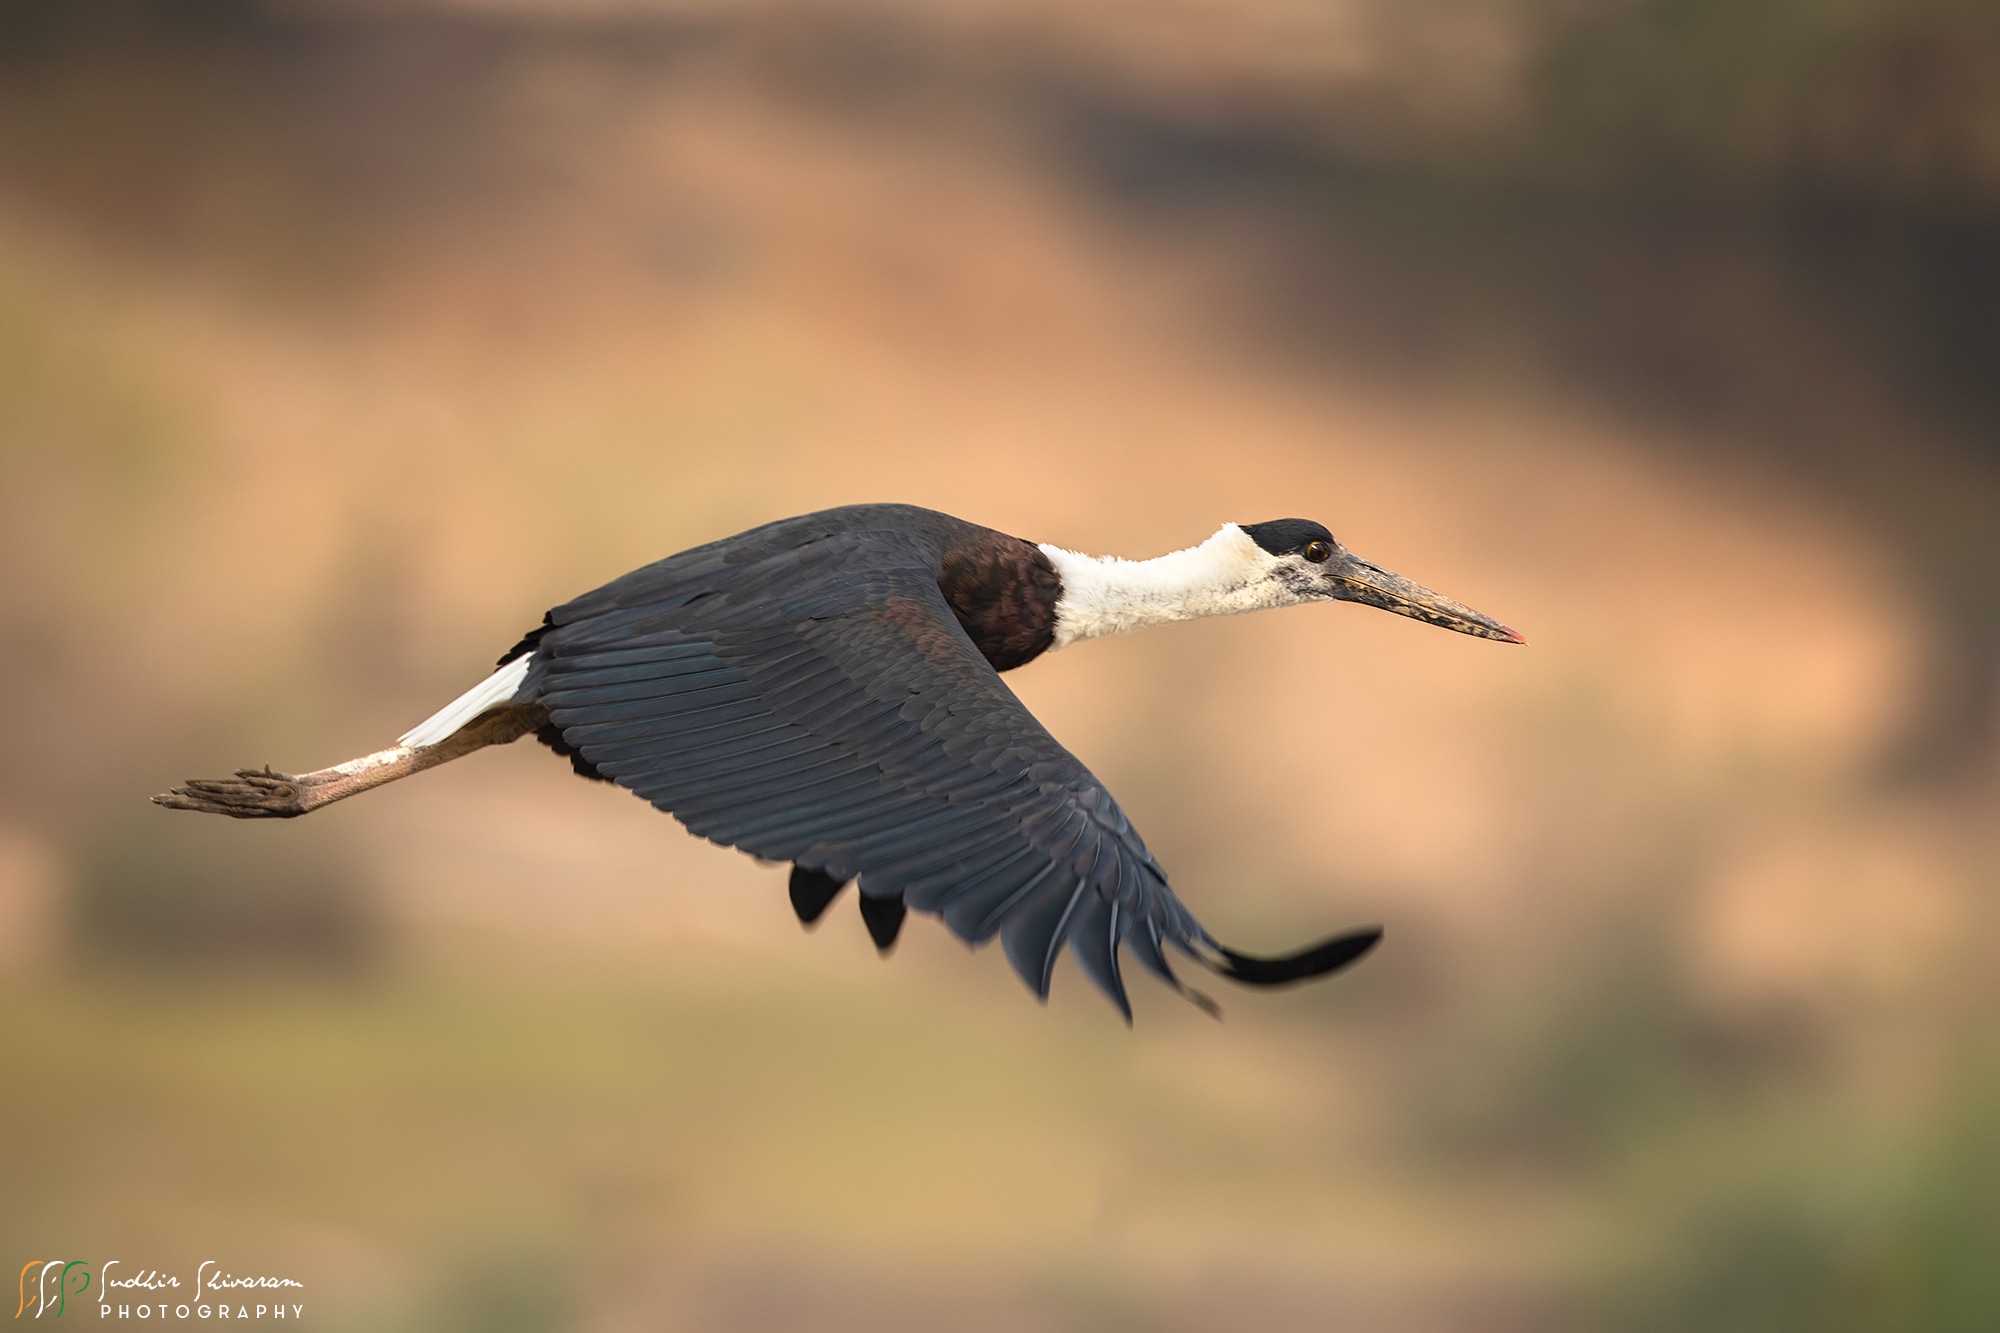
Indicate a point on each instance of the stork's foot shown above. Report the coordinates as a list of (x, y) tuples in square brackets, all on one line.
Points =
[(249, 795)]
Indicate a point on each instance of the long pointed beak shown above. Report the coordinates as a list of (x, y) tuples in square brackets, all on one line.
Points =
[(1355, 580)]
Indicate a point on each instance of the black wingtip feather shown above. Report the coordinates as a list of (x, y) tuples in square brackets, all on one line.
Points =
[(1093, 941), (813, 891), (1328, 956)]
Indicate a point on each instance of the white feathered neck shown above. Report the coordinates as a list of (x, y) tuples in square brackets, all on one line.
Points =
[(1224, 576)]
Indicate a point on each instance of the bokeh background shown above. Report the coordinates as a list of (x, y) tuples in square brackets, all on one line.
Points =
[(338, 340)]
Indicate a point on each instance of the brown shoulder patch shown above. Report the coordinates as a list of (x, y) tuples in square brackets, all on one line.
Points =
[(1004, 592)]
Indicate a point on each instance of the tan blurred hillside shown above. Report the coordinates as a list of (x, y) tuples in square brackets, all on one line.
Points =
[(338, 341)]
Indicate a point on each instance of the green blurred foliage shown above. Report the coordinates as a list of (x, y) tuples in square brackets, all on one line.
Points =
[(1887, 98), (518, 1289), (186, 897), (1772, 1253)]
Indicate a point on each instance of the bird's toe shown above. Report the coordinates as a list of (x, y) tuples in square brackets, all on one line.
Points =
[(251, 794)]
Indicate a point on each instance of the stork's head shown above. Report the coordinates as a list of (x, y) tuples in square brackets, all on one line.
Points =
[(1312, 566)]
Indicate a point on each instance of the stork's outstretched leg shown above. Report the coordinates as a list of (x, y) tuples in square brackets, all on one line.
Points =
[(267, 795)]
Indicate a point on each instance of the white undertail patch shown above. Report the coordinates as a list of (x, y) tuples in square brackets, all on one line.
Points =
[(495, 691), (1224, 576)]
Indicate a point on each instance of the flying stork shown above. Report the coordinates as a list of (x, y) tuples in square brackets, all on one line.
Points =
[(825, 691)]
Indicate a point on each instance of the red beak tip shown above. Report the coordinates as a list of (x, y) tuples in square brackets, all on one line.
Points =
[(1514, 635)]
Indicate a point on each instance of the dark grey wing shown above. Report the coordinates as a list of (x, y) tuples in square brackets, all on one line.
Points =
[(821, 705)]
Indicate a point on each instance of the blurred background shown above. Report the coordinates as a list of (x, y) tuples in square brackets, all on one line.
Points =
[(338, 340)]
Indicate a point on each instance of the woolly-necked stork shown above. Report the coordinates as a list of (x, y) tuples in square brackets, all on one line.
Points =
[(825, 690)]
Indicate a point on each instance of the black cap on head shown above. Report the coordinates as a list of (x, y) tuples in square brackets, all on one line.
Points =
[(1284, 536)]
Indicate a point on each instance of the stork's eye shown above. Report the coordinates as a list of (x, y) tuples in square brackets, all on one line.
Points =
[(1319, 552)]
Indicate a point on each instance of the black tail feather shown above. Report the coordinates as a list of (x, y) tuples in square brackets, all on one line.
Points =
[(1317, 961)]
